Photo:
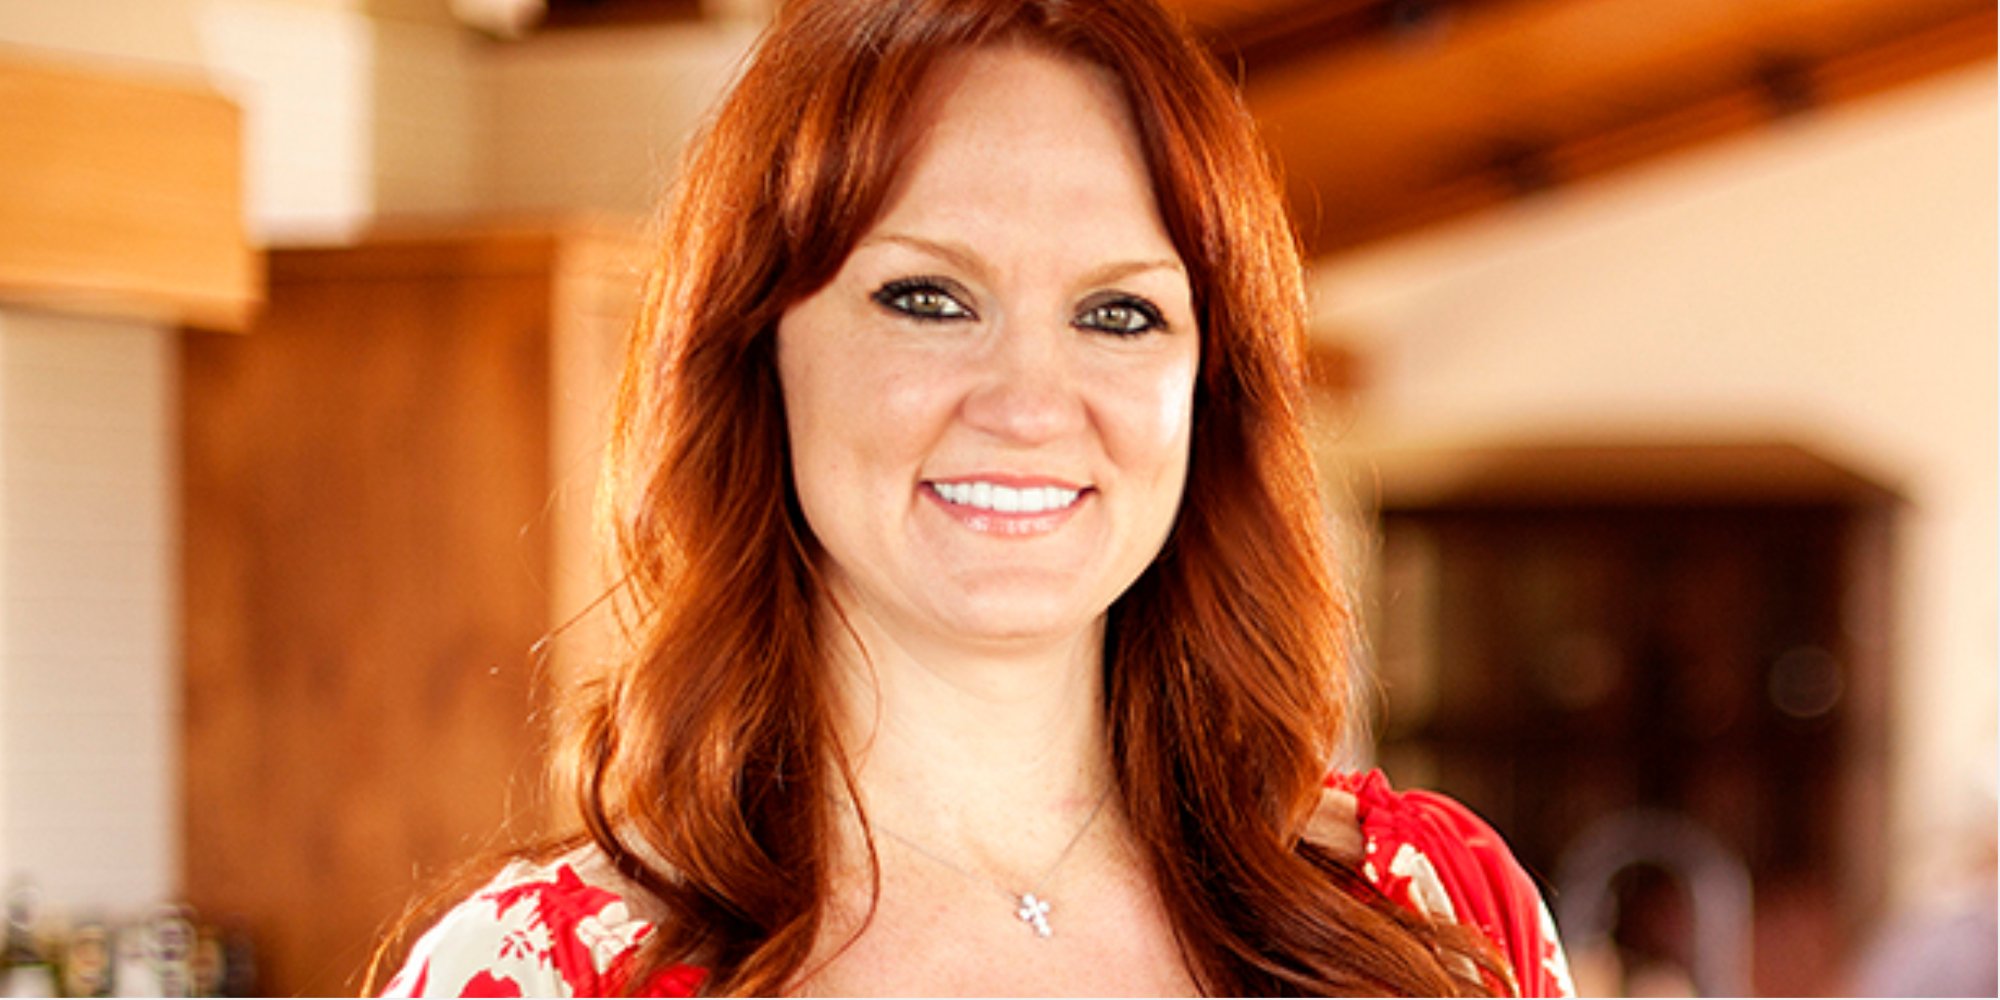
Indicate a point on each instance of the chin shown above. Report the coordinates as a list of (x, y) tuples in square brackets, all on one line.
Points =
[(1023, 619)]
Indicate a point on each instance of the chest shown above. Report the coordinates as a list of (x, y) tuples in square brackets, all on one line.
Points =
[(934, 934)]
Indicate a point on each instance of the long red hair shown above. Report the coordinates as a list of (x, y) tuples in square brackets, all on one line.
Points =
[(706, 760)]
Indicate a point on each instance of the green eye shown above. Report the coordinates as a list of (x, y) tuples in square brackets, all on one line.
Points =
[(921, 298), (1124, 317)]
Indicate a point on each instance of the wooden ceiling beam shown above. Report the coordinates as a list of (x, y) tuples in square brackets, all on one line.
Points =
[(1304, 30), (1781, 86), (563, 14)]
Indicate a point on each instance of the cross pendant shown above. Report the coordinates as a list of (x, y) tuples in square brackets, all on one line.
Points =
[(1034, 912)]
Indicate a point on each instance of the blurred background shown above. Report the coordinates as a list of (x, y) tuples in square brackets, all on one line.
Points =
[(1655, 381)]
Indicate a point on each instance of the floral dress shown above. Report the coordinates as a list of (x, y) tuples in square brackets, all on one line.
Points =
[(554, 929)]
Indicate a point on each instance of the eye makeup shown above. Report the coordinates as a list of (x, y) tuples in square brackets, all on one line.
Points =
[(1120, 315), (926, 299)]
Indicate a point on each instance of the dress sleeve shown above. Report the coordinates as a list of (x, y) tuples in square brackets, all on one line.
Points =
[(1436, 857), (532, 931)]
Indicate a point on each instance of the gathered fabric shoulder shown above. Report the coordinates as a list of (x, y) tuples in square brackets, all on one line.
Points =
[(1437, 858), (548, 929)]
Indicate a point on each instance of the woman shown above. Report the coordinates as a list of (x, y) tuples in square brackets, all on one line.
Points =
[(987, 637)]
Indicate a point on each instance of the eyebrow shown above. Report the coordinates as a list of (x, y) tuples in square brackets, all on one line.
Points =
[(963, 256)]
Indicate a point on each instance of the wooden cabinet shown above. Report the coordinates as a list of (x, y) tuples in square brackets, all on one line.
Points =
[(123, 195), (386, 496)]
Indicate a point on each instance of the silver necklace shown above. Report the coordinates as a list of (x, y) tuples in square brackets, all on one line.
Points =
[(1032, 908)]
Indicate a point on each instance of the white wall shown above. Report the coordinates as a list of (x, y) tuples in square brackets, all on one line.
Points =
[(594, 121), (305, 79), (89, 699), (1830, 281)]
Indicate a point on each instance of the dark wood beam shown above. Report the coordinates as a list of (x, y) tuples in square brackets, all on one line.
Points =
[(564, 14), (1321, 29), (1780, 85)]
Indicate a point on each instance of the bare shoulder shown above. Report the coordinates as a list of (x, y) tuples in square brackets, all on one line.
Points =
[(1336, 825)]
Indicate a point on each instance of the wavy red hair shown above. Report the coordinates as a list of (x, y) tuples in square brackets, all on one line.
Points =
[(706, 760)]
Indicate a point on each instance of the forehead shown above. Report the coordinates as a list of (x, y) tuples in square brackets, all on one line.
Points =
[(1015, 85), (1013, 138)]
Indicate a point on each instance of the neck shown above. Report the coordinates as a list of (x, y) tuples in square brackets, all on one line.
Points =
[(947, 739), (985, 773)]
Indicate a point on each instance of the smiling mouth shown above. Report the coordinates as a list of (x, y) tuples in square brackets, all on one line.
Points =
[(996, 498)]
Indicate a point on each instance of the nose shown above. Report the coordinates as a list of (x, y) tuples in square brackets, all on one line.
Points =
[(1027, 391)]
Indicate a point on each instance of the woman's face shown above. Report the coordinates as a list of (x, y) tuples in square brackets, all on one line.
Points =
[(989, 403)]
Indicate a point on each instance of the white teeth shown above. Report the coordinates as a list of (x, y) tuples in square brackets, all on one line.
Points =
[(1007, 499)]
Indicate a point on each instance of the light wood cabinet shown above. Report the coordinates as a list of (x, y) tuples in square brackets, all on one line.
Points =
[(122, 196)]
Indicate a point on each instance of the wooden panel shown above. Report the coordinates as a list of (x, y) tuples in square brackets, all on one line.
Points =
[(365, 573), (122, 196), (600, 272), (1386, 122), (614, 13), (1215, 16)]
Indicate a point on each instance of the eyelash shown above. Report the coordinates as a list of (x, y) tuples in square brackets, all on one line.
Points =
[(899, 297), (1149, 316)]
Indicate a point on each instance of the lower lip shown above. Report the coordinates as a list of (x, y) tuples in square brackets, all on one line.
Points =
[(1009, 525)]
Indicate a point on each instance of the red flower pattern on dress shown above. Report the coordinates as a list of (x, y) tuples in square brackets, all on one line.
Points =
[(485, 984), (543, 930), (539, 930)]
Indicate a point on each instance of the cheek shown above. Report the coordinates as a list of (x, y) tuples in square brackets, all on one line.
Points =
[(1151, 417), (808, 372), (1174, 408), (905, 397), (854, 404)]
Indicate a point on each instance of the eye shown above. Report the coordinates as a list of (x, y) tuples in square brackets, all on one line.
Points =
[(932, 299), (1122, 315)]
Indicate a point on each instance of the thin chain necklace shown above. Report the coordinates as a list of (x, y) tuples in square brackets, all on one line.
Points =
[(1032, 907)]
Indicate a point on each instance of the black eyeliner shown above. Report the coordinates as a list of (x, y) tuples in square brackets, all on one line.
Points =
[(1156, 321), (897, 288)]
